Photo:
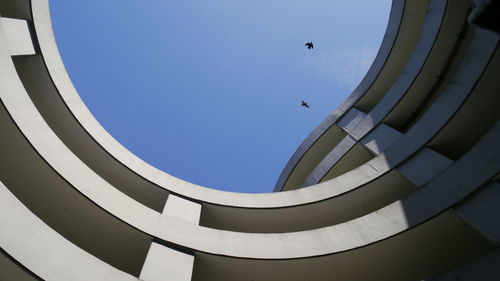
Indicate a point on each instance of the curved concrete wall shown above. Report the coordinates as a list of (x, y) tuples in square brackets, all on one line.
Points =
[(402, 174)]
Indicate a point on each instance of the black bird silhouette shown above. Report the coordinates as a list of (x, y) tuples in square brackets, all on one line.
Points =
[(305, 104), (310, 45)]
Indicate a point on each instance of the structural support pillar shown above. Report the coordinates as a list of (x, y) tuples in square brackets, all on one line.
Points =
[(164, 263)]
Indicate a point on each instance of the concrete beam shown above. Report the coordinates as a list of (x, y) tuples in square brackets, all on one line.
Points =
[(380, 138), (351, 120), (46, 253), (166, 264), (18, 37), (332, 158), (182, 209)]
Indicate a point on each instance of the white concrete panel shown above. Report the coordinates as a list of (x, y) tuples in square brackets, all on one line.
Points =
[(182, 209), (330, 160), (68, 93), (351, 120), (18, 37), (245, 244), (424, 166), (45, 252), (482, 211), (11, 270), (448, 187), (165, 264), (287, 245), (380, 138)]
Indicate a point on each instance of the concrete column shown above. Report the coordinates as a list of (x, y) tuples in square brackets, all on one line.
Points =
[(18, 37), (182, 209), (351, 120), (332, 158), (164, 263), (380, 138)]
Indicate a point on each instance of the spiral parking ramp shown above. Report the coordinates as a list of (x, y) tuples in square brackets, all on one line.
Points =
[(401, 182)]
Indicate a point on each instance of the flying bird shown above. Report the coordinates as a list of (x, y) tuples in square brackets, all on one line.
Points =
[(309, 45), (305, 104)]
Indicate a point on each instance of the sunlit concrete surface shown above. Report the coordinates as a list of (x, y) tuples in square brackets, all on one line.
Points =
[(163, 263), (398, 183), (18, 37)]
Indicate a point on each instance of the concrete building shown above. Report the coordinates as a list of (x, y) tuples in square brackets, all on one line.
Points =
[(402, 179)]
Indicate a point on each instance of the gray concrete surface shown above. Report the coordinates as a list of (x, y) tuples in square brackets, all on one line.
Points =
[(182, 209), (45, 252), (166, 264), (423, 195), (18, 37)]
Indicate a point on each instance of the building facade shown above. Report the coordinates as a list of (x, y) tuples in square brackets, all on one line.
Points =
[(401, 182)]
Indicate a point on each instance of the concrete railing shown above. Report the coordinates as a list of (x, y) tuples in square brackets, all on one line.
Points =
[(421, 197)]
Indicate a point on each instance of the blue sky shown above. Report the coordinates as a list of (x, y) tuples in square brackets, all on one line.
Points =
[(209, 91)]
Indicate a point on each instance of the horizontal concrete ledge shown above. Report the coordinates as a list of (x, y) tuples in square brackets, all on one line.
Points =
[(380, 138), (56, 68), (31, 242), (424, 196), (166, 264), (375, 79), (114, 202), (333, 157), (404, 212), (432, 52), (18, 36), (425, 45), (42, 22), (395, 259), (13, 270), (382, 224)]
